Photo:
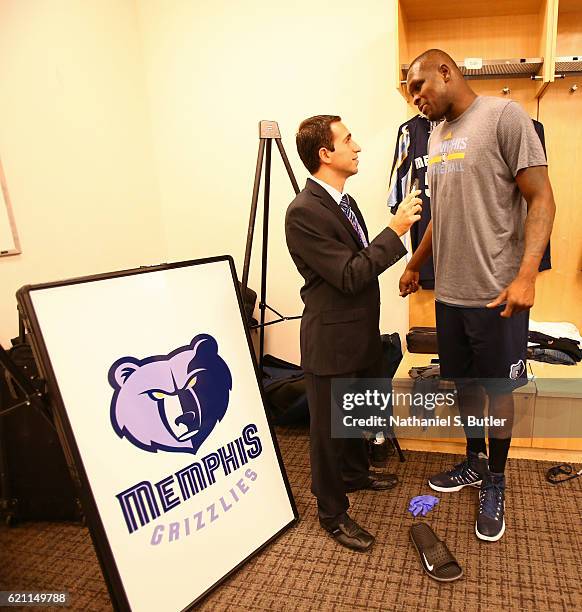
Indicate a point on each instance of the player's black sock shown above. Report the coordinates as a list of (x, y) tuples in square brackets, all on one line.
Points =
[(498, 450), (476, 445)]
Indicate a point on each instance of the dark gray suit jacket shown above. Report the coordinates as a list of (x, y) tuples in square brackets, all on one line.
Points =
[(340, 324)]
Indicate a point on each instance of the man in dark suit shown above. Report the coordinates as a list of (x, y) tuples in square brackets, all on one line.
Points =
[(340, 337)]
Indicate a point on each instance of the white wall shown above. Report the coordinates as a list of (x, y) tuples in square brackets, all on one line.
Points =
[(213, 71), (129, 131), (75, 143)]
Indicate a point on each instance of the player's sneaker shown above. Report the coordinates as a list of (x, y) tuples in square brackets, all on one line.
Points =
[(468, 473), (490, 523)]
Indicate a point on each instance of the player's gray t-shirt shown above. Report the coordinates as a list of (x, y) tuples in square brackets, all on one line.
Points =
[(478, 212)]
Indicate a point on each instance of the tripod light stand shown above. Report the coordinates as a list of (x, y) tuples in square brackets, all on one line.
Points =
[(268, 131)]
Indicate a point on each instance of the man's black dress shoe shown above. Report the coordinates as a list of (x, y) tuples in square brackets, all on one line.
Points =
[(349, 534), (376, 483)]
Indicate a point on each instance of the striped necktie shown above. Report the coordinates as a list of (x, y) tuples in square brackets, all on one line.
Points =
[(351, 215)]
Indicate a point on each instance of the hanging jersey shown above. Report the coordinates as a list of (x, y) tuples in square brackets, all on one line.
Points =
[(410, 163), (546, 262)]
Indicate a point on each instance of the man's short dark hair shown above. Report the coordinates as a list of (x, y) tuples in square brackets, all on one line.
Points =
[(314, 133), (433, 58)]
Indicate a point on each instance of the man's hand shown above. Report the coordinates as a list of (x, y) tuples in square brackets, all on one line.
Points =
[(408, 282), (519, 296), (407, 214)]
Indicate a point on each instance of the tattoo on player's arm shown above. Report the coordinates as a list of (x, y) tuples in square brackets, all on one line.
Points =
[(535, 187), (538, 227)]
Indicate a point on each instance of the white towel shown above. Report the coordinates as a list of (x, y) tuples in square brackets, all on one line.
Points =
[(556, 329)]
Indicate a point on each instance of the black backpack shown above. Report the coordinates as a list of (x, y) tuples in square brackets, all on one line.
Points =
[(284, 387), (284, 383)]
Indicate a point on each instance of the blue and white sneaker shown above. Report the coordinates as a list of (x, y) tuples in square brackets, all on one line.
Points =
[(490, 523), (468, 473)]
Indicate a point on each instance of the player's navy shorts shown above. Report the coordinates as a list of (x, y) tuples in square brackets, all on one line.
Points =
[(477, 343)]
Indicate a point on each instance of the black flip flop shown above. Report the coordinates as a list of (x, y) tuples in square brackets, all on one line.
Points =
[(436, 559)]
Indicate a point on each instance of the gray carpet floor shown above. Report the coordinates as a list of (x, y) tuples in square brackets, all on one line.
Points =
[(535, 566)]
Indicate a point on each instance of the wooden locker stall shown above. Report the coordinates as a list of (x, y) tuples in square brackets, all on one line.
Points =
[(532, 53), (515, 38), (559, 290)]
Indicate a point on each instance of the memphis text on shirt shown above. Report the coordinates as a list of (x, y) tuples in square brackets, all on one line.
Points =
[(142, 502), (451, 156)]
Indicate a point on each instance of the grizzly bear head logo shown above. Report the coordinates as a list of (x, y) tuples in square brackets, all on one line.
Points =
[(170, 402)]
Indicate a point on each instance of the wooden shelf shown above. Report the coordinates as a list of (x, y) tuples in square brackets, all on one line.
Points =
[(547, 408), (524, 67), (523, 32), (421, 10), (569, 64)]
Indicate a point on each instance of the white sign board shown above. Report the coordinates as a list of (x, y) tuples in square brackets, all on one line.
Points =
[(159, 403)]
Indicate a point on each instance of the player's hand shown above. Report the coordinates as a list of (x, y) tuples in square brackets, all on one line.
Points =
[(407, 214), (408, 282), (518, 296)]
